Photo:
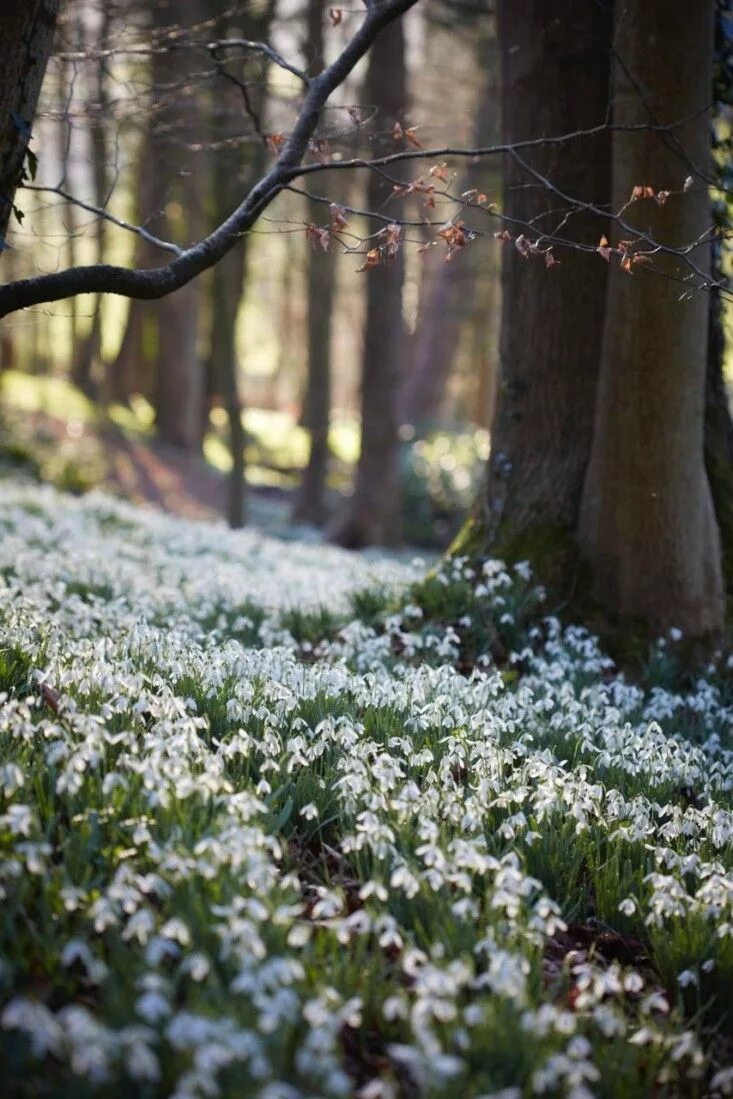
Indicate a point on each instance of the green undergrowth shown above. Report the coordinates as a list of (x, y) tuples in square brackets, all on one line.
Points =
[(420, 841)]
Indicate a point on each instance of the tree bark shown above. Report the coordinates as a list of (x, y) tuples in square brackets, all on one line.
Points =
[(647, 524), (310, 504), (87, 367), (454, 297), (226, 292), (556, 69), (719, 437), (180, 388), (373, 513), (26, 36)]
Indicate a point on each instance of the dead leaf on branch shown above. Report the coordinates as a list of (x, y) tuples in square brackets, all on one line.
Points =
[(336, 16), (440, 171), (317, 237), (274, 143), (401, 134), (478, 198), (391, 237), (642, 191), (604, 249), (550, 260), (418, 186), (338, 217), (321, 150), (372, 259), (454, 235)]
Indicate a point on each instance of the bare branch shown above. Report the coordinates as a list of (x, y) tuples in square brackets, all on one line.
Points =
[(166, 245), (159, 281), (216, 48), (212, 47)]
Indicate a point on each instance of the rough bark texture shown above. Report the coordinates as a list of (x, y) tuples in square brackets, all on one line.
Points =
[(373, 513), (310, 504), (555, 62), (26, 35), (647, 525)]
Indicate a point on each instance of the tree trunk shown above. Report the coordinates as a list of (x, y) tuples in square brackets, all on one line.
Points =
[(449, 299), (226, 291), (373, 513), (26, 36), (88, 354), (310, 504), (556, 69), (647, 524), (180, 389), (719, 437), (235, 167)]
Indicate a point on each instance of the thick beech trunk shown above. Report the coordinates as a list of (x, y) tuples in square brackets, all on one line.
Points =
[(555, 61), (373, 513), (26, 36), (647, 524)]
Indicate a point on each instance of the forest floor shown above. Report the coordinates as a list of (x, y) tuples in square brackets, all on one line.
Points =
[(280, 821)]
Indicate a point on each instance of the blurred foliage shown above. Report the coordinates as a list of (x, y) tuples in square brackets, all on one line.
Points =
[(441, 475), (73, 461), (50, 427)]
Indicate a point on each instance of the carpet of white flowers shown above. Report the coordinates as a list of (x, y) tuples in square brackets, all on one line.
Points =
[(276, 821)]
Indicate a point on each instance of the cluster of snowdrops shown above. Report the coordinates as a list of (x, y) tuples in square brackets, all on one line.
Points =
[(283, 822)]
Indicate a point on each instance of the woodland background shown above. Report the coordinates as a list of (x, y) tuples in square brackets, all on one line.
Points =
[(156, 140)]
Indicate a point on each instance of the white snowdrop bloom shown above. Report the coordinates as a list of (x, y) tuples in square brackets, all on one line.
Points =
[(377, 1089), (11, 779), (90, 1045), (176, 930), (199, 743), (19, 820), (153, 1006), (75, 950), (37, 1022), (722, 1081)]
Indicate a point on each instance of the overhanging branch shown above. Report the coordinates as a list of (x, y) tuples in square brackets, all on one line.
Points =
[(160, 281)]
